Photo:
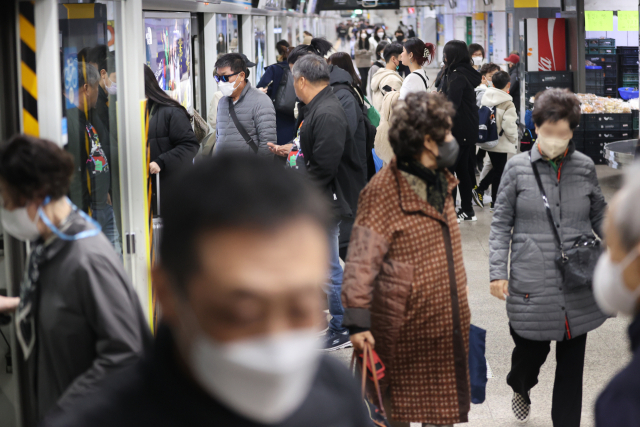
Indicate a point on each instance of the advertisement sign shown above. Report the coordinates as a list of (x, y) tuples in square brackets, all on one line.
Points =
[(357, 4), (70, 66), (546, 45)]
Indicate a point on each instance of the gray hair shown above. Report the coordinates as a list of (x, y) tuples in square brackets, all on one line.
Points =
[(313, 68), (93, 76), (626, 218)]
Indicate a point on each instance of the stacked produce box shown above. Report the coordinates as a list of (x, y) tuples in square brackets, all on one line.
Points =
[(603, 120), (537, 81), (628, 66), (602, 52)]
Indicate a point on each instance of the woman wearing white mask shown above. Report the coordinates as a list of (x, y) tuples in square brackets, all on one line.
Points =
[(78, 319), (616, 285), (365, 54), (477, 55), (540, 305)]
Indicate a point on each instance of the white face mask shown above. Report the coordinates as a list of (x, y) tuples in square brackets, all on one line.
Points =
[(264, 379), (220, 38), (609, 289), (363, 35), (380, 35), (111, 90), (369, 31), (552, 147), (477, 60), (18, 224), (227, 88)]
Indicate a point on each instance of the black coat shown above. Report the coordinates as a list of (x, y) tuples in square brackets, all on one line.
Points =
[(173, 144), (330, 153), (515, 86), (156, 392), (459, 83)]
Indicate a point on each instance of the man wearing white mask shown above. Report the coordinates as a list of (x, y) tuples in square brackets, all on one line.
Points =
[(617, 290), (549, 198), (246, 116), (244, 256)]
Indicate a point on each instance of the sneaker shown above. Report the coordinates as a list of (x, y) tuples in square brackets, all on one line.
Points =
[(521, 409), (336, 340), (464, 216), (477, 197), (491, 207)]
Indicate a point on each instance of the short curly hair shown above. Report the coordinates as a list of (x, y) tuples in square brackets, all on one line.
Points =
[(34, 167), (553, 105), (418, 115)]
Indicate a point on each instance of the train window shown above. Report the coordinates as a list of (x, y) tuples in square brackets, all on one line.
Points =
[(259, 32), (168, 53), (221, 27), (233, 33), (89, 81)]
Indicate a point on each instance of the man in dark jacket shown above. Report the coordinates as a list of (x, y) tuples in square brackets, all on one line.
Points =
[(238, 346), (459, 83), (514, 62), (615, 286), (330, 156)]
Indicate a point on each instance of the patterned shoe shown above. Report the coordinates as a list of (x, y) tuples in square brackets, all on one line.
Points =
[(521, 409), (477, 197)]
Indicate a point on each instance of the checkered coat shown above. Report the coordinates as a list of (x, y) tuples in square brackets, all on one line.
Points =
[(404, 279)]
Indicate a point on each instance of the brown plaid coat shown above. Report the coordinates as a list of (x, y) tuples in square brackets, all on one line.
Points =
[(404, 280)]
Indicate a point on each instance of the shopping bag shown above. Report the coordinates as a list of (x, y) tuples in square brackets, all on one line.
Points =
[(477, 364), (377, 161), (377, 414)]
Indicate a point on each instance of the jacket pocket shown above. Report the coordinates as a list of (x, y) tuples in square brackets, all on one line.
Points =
[(390, 296), (527, 269)]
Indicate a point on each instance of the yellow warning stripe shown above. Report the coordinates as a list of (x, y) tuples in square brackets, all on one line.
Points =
[(144, 119), (29, 80), (30, 125), (27, 33), (28, 77)]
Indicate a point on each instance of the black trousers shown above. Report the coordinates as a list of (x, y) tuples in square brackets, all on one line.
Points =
[(526, 360), (480, 158), (364, 78), (498, 161), (462, 169)]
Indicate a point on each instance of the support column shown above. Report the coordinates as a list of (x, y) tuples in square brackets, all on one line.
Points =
[(211, 53), (271, 41), (248, 42)]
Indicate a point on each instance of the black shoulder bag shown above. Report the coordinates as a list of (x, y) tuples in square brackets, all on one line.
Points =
[(578, 263), (426, 86), (241, 129)]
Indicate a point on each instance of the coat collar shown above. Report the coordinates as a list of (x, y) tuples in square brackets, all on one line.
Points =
[(244, 91), (535, 152), (411, 202), (317, 100)]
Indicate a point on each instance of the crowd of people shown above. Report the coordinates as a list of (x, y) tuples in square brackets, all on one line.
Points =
[(292, 193)]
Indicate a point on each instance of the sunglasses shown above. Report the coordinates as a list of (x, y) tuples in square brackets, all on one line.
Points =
[(224, 79)]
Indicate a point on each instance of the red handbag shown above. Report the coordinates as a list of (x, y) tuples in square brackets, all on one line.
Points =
[(376, 413)]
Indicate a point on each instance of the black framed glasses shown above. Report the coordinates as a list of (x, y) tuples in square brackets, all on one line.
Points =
[(224, 79)]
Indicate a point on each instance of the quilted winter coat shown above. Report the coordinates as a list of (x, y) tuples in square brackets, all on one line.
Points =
[(538, 307), (257, 115), (404, 280)]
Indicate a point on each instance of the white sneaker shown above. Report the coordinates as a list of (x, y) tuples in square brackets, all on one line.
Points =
[(521, 409), (462, 216)]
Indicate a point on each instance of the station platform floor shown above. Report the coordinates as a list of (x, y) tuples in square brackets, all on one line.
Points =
[(607, 347)]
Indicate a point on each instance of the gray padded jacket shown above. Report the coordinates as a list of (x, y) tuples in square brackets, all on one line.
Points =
[(538, 308), (256, 113)]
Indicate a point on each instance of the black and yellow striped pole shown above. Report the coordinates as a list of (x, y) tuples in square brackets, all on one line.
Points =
[(28, 69)]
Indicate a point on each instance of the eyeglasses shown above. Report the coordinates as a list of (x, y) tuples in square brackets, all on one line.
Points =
[(224, 79)]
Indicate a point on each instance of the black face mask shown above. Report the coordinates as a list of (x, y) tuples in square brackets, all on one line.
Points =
[(447, 154), (400, 38)]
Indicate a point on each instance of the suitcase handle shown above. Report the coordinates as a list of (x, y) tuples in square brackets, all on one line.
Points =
[(158, 192)]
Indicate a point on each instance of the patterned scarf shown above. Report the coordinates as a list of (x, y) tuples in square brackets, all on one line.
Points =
[(436, 182), (25, 315)]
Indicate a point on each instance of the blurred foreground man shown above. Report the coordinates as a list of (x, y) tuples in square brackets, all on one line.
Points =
[(616, 286), (245, 252)]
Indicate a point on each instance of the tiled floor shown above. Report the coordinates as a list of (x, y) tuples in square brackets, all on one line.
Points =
[(607, 347)]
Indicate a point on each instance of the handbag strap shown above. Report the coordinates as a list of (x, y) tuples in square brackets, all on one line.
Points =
[(367, 355), (241, 129), (423, 79), (552, 222)]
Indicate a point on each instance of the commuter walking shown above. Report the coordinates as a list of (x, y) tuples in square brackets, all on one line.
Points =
[(477, 55), (78, 320), (171, 140), (483, 163), (270, 82), (377, 65), (325, 148), (380, 35), (246, 116), (514, 62), (498, 99), (404, 281), (364, 54), (387, 79), (540, 306), (458, 83), (237, 345), (616, 282), (415, 55)]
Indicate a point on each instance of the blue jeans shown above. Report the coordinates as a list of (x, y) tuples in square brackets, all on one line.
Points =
[(334, 287), (107, 220)]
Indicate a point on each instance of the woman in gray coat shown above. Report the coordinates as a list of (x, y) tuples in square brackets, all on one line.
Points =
[(539, 309)]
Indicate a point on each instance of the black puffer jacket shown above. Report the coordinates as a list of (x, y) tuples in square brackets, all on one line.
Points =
[(459, 83), (172, 143), (330, 154)]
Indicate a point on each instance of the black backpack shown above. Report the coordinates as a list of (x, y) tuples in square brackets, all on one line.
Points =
[(284, 100), (370, 130)]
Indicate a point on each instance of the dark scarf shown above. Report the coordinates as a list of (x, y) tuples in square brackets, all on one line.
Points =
[(436, 182)]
